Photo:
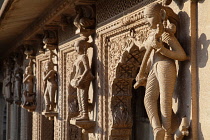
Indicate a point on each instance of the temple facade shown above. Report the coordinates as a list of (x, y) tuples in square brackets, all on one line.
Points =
[(104, 70)]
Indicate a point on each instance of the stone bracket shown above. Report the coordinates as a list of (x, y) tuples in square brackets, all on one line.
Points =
[(87, 126), (50, 115)]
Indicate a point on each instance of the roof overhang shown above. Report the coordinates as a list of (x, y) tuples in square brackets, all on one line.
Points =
[(22, 19)]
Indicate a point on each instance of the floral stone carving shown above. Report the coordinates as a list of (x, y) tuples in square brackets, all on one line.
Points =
[(162, 48)]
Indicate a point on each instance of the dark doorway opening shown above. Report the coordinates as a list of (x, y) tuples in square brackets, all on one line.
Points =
[(141, 129)]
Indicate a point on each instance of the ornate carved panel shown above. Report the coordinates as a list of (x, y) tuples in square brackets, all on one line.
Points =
[(67, 103), (107, 9), (119, 58), (42, 127)]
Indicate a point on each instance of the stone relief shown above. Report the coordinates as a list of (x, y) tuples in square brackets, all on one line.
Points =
[(17, 77), (124, 71), (112, 39), (68, 104), (50, 76), (81, 75), (7, 83), (72, 91), (29, 96), (50, 86), (85, 20), (82, 78), (162, 48), (18, 85)]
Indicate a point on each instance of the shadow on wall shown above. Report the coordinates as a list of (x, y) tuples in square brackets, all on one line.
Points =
[(180, 3), (182, 94), (202, 50), (182, 91), (202, 59)]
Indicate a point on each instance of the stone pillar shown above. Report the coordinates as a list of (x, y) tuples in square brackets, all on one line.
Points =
[(2, 121), (26, 125), (8, 120), (15, 122)]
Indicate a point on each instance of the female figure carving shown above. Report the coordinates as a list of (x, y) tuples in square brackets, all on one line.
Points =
[(82, 78), (50, 85), (8, 85), (162, 49), (28, 79), (18, 85)]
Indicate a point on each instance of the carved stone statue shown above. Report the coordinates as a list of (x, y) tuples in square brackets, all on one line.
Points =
[(50, 86), (85, 20), (82, 78), (28, 94), (162, 49), (7, 87), (18, 85)]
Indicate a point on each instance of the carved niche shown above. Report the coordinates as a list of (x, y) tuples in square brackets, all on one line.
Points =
[(68, 103), (40, 122), (123, 74), (120, 56)]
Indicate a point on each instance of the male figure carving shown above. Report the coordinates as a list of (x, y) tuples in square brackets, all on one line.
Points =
[(82, 78), (162, 49)]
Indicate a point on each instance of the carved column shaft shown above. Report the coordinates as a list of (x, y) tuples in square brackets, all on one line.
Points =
[(26, 125), (15, 122), (2, 117)]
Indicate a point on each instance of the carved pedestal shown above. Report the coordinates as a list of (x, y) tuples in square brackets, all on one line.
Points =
[(50, 115), (30, 108), (29, 102), (87, 127)]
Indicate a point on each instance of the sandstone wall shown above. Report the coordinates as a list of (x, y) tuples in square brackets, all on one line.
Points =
[(203, 63)]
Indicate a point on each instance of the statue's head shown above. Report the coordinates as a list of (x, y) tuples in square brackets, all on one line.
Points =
[(80, 46), (154, 14), (49, 65), (28, 70)]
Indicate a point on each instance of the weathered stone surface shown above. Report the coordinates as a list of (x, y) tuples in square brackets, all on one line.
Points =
[(115, 32)]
